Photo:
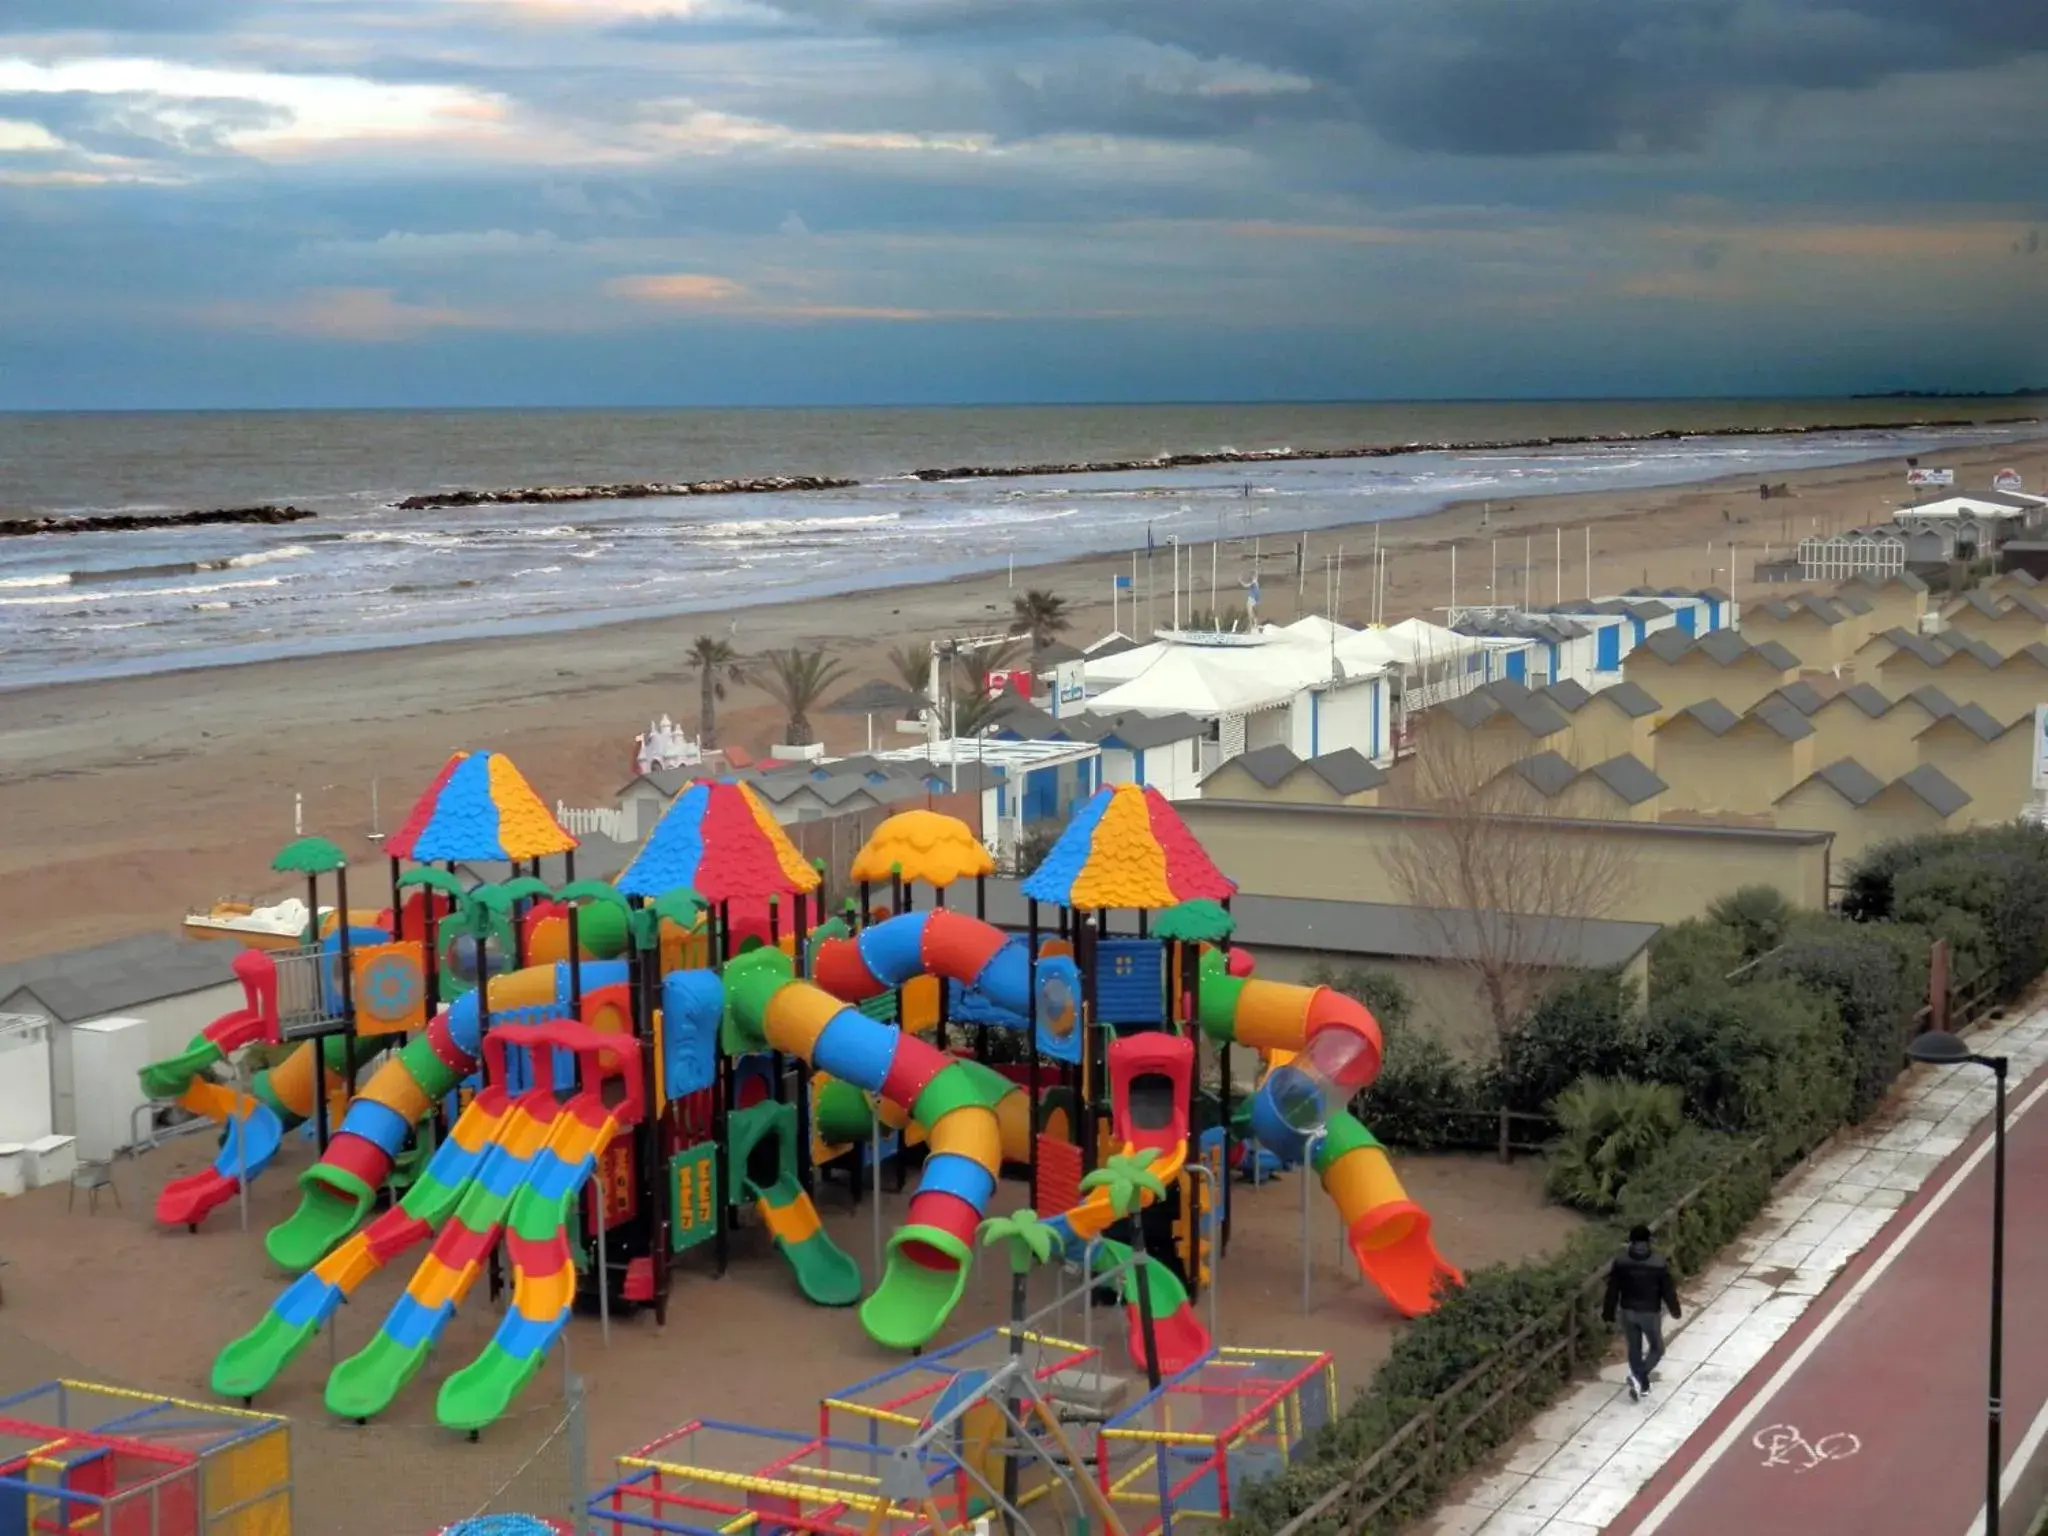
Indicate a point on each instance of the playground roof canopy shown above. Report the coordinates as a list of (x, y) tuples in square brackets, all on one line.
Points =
[(478, 807), (1126, 847), (719, 839)]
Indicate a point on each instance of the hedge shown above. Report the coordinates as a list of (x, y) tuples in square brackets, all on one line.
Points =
[(1777, 1026)]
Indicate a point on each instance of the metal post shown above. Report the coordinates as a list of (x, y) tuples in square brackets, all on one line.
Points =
[(1993, 1426), (805, 1174), (875, 1172), (1308, 1258), (348, 1001), (604, 1278), (1201, 1172), (1031, 1083), (243, 1104), (777, 1067), (579, 1454), (575, 947), (718, 940)]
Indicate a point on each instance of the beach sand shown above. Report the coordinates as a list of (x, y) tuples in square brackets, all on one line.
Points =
[(129, 802)]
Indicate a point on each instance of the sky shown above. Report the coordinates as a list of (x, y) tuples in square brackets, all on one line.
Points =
[(258, 203)]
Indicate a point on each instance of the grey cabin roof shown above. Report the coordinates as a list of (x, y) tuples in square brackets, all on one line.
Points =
[(1629, 777), (1397, 932), (1866, 698), (1270, 766), (1569, 695), (2034, 651), (1937, 790), (1982, 652), (669, 781), (1781, 716), (1930, 699), (1975, 719), (1631, 699), (1787, 608), (1904, 579), (2028, 604), (1110, 645), (1917, 646), (1548, 773), (1710, 713), (1723, 647), (1054, 652), (1847, 778), (1536, 714), (76, 985), (1347, 770), (1139, 733), (1986, 603), (876, 697), (1803, 697)]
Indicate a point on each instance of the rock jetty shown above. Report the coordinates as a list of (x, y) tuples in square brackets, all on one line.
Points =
[(126, 522), (1391, 450), (632, 490)]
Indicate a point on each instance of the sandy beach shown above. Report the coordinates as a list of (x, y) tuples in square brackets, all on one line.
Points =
[(128, 802)]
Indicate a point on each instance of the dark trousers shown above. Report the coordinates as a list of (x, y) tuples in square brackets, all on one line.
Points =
[(1645, 1334)]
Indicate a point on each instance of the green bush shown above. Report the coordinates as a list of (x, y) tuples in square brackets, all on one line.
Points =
[(1608, 1128), (1425, 1097), (1985, 891), (1758, 916), (1876, 976), (1761, 1057), (1728, 1179), (1688, 953), (1584, 1025)]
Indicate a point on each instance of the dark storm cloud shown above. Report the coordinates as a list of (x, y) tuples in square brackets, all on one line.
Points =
[(1485, 77)]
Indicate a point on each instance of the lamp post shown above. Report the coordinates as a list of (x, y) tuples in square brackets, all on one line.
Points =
[(1941, 1049)]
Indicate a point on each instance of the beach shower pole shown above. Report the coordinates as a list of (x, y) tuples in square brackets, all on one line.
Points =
[(1589, 562), (1528, 571), (1560, 563)]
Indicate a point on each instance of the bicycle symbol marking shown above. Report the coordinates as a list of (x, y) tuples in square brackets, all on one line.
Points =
[(1784, 1446)]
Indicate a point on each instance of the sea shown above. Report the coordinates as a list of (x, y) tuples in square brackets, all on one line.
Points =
[(363, 574)]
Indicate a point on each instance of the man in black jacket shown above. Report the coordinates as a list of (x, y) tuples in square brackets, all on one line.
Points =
[(1640, 1287)]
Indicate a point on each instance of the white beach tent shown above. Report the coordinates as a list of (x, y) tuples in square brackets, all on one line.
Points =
[(1206, 680), (1420, 644)]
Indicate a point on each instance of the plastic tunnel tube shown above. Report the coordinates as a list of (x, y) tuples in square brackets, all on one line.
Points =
[(929, 1256), (543, 1271), (1337, 1051), (337, 1192), (251, 1363), (366, 1383)]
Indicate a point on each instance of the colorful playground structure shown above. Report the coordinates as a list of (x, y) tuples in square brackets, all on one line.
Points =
[(84, 1460), (587, 1085)]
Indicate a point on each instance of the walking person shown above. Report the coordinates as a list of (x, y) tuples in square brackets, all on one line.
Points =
[(1640, 1288)]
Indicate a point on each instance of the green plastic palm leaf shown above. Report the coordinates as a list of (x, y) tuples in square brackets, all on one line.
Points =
[(1200, 921), (1030, 1240), (434, 880), (681, 906), (1128, 1177), (524, 888), (602, 891), (309, 856)]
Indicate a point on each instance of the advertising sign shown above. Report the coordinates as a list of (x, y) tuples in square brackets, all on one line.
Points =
[(1930, 477), (2008, 480)]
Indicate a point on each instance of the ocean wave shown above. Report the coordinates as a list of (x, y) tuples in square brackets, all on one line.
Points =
[(259, 557), (18, 583), (75, 596)]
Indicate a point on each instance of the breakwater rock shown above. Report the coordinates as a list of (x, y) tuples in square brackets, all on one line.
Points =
[(633, 490), (125, 522), (1391, 450)]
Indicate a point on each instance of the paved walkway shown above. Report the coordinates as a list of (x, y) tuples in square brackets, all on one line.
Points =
[(1762, 1418)]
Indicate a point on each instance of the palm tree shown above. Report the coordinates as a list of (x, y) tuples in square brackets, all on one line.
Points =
[(1043, 614), (1029, 1242), (973, 705), (912, 665), (1129, 1178), (797, 679), (717, 665)]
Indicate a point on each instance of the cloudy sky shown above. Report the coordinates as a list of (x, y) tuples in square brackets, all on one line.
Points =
[(361, 202)]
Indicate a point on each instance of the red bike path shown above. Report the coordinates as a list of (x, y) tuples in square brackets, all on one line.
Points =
[(1893, 1353)]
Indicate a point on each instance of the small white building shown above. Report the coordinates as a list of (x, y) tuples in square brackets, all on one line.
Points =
[(1023, 784), (173, 987)]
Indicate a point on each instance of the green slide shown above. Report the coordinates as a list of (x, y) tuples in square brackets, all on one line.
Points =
[(763, 1141), (477, 1396), (914, 1299)]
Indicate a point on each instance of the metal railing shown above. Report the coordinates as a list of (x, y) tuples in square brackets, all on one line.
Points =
[(1543, 1346)]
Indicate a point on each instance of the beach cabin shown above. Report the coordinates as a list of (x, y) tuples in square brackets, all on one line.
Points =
[(1718, 762), (1345, 777), (1549, 784), (1897, 600), (1163, 751), (1618, 721), (1494, 725), (1677, 671), (1862, 810), (1850, 722), (1989, 760), (1533, 648), (2007, 691), (1960, 666), (2006, 622), (1822, 632)]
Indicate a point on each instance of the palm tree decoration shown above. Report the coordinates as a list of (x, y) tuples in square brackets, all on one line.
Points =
[(718, 665), (308, 856), (974, 706), (1043, 614), (796, 679), (1028, 1242), (1129, 1178), (471, 916), (502, 902)]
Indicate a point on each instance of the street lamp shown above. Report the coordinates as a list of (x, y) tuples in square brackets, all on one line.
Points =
[(1941, 1049)]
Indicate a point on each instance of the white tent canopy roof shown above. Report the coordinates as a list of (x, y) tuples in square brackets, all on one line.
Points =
[(1169, 676)]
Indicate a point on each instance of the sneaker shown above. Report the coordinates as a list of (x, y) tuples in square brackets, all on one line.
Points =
[(1646, 1389), (1635, 1388)]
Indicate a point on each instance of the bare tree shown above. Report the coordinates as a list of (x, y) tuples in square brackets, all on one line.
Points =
[(1504, 882)]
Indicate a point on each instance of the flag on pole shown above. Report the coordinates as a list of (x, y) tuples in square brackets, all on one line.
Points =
[(1148, 539), (1123, 583)]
